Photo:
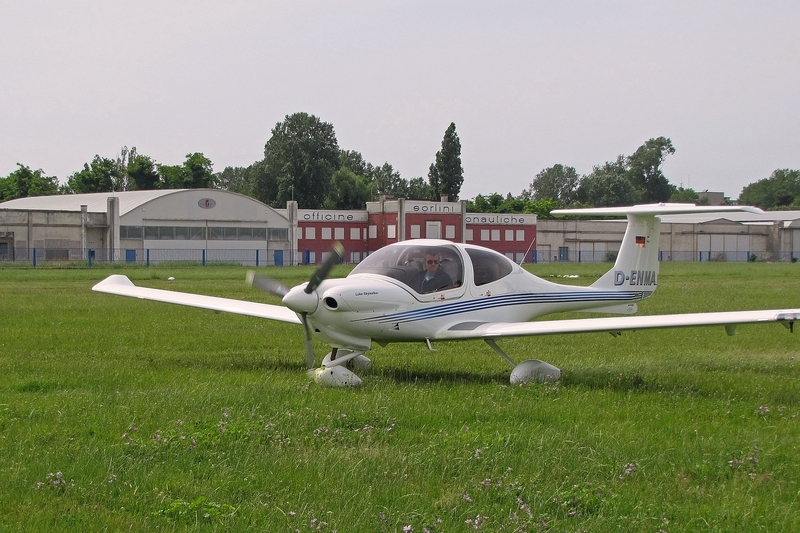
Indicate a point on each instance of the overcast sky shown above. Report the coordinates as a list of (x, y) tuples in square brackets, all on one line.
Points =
[(529, 84)]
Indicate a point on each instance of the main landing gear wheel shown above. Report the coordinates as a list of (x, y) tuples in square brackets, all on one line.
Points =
[(534, 371)]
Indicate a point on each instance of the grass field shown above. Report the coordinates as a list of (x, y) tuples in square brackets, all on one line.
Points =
[(120, 414)]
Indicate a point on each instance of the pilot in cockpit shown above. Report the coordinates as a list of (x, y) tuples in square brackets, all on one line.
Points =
[(433, 277)]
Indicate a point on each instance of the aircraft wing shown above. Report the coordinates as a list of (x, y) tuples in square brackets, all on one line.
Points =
[(122, 286), (729, 319)]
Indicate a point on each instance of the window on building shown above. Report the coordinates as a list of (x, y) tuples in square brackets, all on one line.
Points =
[(225, 233), (391, 231), (484, 234), (338, 234), (509, 235), (311, 233), (495, 234), (468, 236), (278, 234), (521, 235), (182, 234), (326, 234), (450, 232), (167, 233), (130, 232), (229, 234), (355, 233), (415, 231), (373, 231)]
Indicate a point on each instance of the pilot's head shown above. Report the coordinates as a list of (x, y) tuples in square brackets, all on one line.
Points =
[(432, 260)]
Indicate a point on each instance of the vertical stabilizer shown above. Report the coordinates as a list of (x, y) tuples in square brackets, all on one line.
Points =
[(637, 262)]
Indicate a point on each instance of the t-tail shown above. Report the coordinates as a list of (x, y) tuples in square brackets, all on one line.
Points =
[(636, 267)]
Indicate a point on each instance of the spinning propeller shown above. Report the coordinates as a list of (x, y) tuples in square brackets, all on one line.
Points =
[(301, 300)]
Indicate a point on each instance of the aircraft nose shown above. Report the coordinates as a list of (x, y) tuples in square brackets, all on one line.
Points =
[(300, 302)]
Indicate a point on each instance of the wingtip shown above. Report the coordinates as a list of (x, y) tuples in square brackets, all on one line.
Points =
[(114, 279)]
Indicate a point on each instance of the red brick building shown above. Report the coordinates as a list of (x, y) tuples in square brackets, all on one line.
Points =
[(389, 221)]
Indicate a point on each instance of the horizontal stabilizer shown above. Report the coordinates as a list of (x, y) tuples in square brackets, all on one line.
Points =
[(656, 209)]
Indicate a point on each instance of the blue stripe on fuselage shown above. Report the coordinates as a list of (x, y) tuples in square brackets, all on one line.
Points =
[(482, 304)]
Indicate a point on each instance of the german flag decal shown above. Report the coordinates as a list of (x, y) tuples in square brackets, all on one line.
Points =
[(640, 241)]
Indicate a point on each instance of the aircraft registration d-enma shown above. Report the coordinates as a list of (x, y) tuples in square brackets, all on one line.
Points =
[(427, 290)]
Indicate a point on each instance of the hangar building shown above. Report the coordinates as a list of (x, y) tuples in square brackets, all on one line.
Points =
[(733, 236), (160, 225)]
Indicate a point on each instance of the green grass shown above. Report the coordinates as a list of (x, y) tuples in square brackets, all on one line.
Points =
[(119, 414)]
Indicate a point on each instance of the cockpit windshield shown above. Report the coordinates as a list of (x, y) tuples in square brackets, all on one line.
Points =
[(423, 268)]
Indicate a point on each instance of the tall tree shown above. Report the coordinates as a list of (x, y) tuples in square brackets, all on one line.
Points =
[(644, 170), (558, 182), (419, 189), (349, 190), (355, 162), (388, 181), (301, 156), (607, 185), (780, 190), (102, 175), (686, 196), (25, 182), (142, 173), (446, 175), (198, 172), (171, 175)]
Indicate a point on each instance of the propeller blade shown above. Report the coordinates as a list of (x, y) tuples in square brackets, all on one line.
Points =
[(325, 268), (309, 347), (266, 284)]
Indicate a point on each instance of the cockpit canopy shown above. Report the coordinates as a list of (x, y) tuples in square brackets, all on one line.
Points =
[(431, 268)]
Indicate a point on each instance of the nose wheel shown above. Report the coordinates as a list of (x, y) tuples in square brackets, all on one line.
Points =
[(337, 368)]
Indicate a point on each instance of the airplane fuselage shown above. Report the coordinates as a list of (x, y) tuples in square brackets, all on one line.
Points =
[(381, 305)]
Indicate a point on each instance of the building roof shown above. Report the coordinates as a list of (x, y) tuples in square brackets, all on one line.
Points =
[(94, 202)]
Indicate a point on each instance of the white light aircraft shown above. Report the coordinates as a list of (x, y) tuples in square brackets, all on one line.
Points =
[(473, 293)]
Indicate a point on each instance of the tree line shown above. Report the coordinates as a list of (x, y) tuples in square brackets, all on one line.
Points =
[(303, 162), (129, 171), (629, 180)]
